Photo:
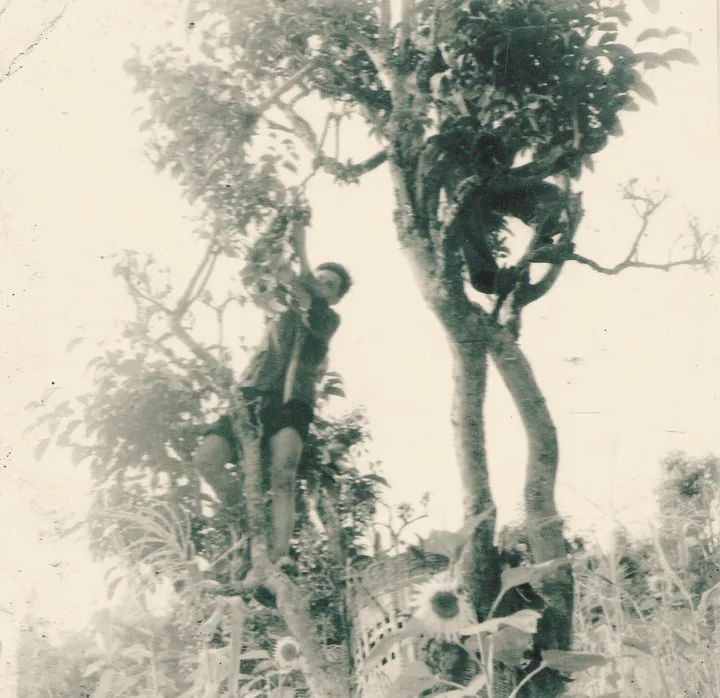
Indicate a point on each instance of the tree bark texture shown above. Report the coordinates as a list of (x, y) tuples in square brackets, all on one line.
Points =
[(543, 525)]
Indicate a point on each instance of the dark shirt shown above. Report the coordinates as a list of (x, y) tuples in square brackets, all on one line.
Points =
[(304, 334)]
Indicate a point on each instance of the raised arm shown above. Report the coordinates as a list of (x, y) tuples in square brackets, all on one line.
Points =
[(307, 278), (298, 238)]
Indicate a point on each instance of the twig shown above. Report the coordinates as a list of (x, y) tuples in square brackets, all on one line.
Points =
[(185, 299), (44, 32), (667, 266), (651, 206)]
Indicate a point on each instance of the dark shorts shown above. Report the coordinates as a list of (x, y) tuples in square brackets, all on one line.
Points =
[(274, 415)]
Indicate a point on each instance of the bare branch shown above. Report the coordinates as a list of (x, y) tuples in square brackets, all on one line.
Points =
[(191, 292), (42, 35), (175, 317), (650, 205), (223, 372), (702, 244), (667, 266)]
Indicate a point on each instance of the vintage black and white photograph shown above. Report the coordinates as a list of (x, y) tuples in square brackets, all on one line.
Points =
[(360, 348)]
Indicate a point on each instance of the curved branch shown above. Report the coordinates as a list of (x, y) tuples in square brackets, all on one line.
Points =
[(544, 525), (540, 288), (562, 250), (350, 171)]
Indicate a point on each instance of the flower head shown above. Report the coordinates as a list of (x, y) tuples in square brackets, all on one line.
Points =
[(287, 653), (442, 606)]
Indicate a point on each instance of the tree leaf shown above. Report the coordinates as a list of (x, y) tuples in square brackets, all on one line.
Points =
[(652, 60), (644, 90), (637, 644), (671, 31), (619, 13), (282, 692), (41, 448), (652, 5), (652, 33), (619, 50), (374, 477), (73, 343), (414, 679), (450, 543), (530, 574), (682, 55), (512, 646), (569, 662), (254, 654), (707, 598), (476, 684), (525, 620), (441, 543)]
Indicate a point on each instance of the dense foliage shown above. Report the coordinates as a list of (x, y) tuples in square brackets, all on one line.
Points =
[(242, 121)]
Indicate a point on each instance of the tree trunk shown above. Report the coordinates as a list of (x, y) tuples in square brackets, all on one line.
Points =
[(544, 527), (469, 348)]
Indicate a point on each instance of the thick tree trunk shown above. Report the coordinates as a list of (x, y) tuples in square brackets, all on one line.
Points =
[(480, 566)]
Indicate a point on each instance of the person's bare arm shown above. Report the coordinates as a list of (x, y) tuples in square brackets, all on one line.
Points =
[(307, 278)]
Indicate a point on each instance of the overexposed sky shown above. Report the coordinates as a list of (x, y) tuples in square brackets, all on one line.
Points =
[(628, 364)]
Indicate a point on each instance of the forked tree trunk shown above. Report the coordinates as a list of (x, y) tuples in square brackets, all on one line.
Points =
[(472, 335)]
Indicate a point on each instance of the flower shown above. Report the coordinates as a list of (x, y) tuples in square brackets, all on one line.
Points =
[(287, 653), (442, 607)]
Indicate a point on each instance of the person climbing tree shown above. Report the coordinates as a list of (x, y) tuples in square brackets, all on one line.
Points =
[(279, 388)]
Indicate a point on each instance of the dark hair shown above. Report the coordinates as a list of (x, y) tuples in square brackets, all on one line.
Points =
[(341, 271)]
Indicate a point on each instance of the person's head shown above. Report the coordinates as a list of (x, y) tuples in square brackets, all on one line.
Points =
[(334, 281)]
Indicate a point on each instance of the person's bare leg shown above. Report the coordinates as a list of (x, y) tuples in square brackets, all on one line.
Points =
[(209, 459), (285, 448)]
